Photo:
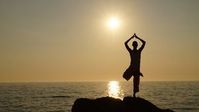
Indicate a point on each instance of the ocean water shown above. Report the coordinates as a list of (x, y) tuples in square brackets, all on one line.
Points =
[(59, 97)]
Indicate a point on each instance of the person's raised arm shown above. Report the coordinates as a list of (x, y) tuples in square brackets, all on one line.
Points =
[(126, 43), (143, 42)]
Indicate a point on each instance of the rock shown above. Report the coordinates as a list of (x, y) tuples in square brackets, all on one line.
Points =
[(109, 104)]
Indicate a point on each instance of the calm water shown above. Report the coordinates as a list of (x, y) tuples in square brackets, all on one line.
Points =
[(59, 97)]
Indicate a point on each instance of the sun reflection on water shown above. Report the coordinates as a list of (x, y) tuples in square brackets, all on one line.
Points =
[(114, 89)]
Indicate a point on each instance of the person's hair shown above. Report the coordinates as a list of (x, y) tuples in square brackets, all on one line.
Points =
[(135, 44)]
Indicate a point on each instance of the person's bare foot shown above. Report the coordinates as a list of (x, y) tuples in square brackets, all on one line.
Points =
[(134, 95)]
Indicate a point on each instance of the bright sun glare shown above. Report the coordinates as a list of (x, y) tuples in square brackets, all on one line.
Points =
[(113, 23)]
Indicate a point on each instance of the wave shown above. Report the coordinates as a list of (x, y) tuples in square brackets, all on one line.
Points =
[(60, 96), (53, 97)]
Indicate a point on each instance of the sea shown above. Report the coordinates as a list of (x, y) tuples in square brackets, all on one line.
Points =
[(60, 96)]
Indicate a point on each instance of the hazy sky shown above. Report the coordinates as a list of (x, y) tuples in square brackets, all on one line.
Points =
[(68, 40)]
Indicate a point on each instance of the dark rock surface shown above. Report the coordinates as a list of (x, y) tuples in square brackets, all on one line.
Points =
[(108, 104)]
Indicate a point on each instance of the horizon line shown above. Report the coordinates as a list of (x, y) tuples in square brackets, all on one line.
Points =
[(96, 81)]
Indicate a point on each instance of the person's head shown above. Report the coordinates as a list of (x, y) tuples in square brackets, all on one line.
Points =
[(135, 44)]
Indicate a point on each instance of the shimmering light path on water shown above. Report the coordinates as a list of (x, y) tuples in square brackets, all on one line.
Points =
[(114, 89)]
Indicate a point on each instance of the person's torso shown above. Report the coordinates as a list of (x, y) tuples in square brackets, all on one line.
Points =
[(135, 60)]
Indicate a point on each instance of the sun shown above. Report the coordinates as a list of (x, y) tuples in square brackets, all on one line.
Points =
[(113, 23)]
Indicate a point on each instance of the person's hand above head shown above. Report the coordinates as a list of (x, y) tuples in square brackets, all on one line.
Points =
[(136, 36)]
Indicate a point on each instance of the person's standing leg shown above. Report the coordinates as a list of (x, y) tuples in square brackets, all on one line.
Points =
[(136, 82), (134, 87)]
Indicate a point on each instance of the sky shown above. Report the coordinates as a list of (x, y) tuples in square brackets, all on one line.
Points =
[(68, 40)]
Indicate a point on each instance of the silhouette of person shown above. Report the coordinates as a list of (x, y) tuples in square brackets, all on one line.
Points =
[(134, 68)]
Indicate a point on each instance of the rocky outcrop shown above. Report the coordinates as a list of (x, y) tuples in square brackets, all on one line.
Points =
[(109, 104)]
